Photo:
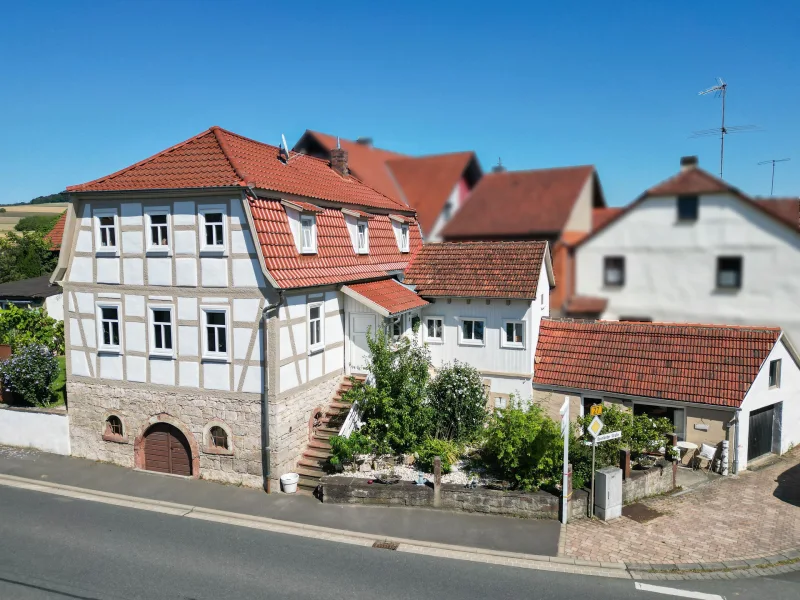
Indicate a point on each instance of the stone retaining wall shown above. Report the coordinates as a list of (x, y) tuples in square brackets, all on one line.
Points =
[(531, 505), (654, 481)]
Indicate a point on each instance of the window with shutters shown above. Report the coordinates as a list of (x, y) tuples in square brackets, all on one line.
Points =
[(108, 327), (316, 340), (161, 331), (215, 338)]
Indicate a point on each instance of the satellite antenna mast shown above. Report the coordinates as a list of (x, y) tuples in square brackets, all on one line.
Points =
[(720, 90), (773, 161)]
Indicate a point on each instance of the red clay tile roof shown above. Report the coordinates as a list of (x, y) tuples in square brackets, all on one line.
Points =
[(572, 238), (336, 261), (365, 162), (786, 209), (428, 181), (219, 158), (389, 294), (601, 216), (583, 305), (519, 204), (303, 206), (56, 234), (478, 269), (691, 181), (708, 364)]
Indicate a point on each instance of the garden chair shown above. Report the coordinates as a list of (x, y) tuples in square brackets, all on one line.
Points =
[(707, 453)]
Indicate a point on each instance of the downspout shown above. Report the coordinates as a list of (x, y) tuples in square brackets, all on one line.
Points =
[(736, 421), (265, 439)]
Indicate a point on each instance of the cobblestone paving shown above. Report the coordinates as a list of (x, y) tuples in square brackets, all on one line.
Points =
[(755, 514)]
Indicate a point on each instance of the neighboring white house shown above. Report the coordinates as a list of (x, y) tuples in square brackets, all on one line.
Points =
[(694, 249), (714, 382)]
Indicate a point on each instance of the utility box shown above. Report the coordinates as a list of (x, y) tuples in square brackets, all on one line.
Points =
[(608, 493)]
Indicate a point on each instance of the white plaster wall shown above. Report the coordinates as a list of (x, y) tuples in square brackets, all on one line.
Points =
[(580, 218), (54, 305), (456, 202), (671, 267), (42, 431), (760, 395)]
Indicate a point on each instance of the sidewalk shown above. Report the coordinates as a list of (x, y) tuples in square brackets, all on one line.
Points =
[(539, 537), (753, 515)]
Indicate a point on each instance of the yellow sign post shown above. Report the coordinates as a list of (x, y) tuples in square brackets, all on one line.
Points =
[(596, 410)]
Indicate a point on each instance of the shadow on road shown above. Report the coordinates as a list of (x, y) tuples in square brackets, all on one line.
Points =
[(788, 488)]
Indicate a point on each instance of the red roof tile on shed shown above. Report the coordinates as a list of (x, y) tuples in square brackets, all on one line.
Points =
[(478, 269), (56, 234), (335, 262), (519, 203), (220, 158), (388, 294), (708, 364)]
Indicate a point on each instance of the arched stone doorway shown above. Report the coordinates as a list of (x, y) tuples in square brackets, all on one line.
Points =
[(166, 447)]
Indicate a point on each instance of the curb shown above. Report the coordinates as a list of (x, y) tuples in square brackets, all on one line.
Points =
[(775, 564), (530, 561)]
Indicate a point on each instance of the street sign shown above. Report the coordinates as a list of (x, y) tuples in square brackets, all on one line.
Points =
[(611, 435), (595, 427), (596, 410)]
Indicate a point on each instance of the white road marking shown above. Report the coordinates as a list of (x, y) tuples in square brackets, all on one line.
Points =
[(646, 587)]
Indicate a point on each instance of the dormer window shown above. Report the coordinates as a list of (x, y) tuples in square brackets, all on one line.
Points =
[(404, 237), (687, 208), (308, 226), (363, 237)]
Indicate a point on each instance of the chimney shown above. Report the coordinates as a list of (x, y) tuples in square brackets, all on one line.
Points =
[(364, 141), (688, 162), (339, 161), (499, 168)]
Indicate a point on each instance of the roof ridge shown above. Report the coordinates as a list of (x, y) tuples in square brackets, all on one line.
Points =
[(370, 147), (667, 324), (146, 160), (526, 171), (492, 242), (428, 156), (223, 145)]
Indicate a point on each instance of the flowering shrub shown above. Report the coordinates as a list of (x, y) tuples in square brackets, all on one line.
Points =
[(22, 326), (30, 372), (458, 399)]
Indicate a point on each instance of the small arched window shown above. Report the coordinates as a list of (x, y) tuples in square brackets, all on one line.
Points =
[(114, 426), (219, 437)]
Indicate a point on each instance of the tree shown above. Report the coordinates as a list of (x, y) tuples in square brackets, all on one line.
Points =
[(25, 255), (41, 223), (458, 399)]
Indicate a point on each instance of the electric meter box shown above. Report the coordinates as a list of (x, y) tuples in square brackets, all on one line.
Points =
[(608, 493)]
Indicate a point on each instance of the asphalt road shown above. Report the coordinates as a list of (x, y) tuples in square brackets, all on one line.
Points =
[(60, 548)]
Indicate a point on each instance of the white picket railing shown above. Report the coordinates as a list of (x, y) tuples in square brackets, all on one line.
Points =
[(353, 420)]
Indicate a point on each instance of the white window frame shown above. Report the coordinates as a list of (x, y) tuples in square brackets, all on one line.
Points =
[(97, 215), (405, 234), (778, 364), (472, 341), (319, 346), (102, 347), (213, 248), (167, 353), (206, 353), (158, 248), (312, 248), (504, 343), (362, 248), (433, 340)]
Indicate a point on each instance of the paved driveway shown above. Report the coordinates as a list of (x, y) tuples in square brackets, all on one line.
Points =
[(753, 515)]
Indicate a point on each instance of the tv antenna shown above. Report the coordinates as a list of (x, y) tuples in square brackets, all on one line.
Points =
[(285, 147), (772, 161), (720, 90)]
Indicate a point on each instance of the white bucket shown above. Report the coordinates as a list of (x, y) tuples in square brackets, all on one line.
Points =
[(289, 482)]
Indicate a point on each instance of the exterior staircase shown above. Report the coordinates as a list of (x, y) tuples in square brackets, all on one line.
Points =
[(314, 461)]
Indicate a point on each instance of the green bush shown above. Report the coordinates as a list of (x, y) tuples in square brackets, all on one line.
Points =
[(22, 326), (396, 414), (30, 372), (41, 223), (2, 210), (430, 448), (458, 400), (344, 449), (524, 446), (25, 255)]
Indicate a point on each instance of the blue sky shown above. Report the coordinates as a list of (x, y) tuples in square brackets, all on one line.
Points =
[(91, 87)]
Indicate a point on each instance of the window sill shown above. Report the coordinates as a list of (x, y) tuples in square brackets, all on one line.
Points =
[(110, 351), (363, 252), (613, 286), (218, 451), (117, 439), (108, 253), (155, 251), (306, 251), (160, 356), (216, 359), (469, 343), (727, 290), (214, 251), (437, 341), (316, 350), (513, 346)]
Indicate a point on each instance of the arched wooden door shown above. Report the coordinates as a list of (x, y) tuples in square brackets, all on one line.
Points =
[(166, 450)]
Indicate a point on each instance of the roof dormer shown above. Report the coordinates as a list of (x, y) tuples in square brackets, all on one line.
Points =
[(303, 224), (357, 222), (401, 227)]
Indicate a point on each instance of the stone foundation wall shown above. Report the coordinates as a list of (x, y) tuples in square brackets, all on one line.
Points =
[(90, 404), (289, 419), (656, 480), (530, 505)]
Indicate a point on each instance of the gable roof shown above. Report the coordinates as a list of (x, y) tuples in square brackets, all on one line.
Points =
[(29, 289), (387, 296), (707, 364), (335, 261), (427, 182), (364, 161), (601, 216), (696, 181), (479, 269), (519, 204), (56, 234), (786, 209), (220, 158)]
